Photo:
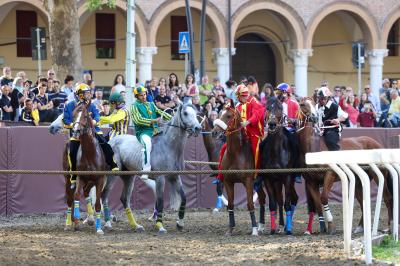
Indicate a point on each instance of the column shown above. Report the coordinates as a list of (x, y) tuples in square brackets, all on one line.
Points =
[(375, 58), (145, 60), (221, 57), (300, 70)]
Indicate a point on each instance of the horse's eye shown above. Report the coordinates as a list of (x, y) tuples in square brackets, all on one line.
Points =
[(185, 113)]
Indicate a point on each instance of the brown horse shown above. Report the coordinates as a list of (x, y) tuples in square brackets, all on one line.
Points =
[(310, 141), (90, 158), (238, 155)]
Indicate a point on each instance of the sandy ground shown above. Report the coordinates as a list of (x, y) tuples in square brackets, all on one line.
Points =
[(41, 240)]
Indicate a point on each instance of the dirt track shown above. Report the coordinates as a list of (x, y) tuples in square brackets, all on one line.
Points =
[(41, 240)]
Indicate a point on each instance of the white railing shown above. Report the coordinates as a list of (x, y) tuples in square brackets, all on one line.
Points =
[(344, 163)]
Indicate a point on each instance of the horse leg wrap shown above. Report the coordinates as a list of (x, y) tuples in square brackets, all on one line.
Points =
[(68, 221), (89, 206), (98, 221), (131, 219), (293, 208), (77, 214), (159, 223), (181, 213), (273, 220), (310, 222), (327, 214), (106, 212), (262, 214), (289, 220), (218, 204), (253, 219), (322, 225), (231, 218), (219, 189)]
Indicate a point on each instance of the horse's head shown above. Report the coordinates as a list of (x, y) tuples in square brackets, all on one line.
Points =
[(274, 116), (307, 111), (57, 125), (188, 118), (229, 120), (82, 120)]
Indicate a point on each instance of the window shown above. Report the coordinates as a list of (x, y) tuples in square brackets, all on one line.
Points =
[(178, 24), (105, 35), (393, 41), (25, 21)]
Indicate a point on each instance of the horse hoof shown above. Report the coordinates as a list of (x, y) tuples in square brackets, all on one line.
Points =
[(289, 233), (281, 229), (358, 229), (215, 211), (89, 220), (261, 228), (139, 228), (68, 228), (307, 233), (114, 218), (180, 224), (108, 225), (254, 231), (99, 232), (162, 231), (273, 232), (331, 229)]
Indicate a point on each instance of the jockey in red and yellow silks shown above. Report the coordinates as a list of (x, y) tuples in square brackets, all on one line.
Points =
[(252, 114)]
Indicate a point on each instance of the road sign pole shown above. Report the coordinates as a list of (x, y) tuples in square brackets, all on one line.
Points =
[(39, 47), (186, 64), (359, 69)]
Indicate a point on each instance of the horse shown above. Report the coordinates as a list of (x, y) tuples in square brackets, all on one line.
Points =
[(90, 157), (310, 141), (166, 155), (238, 155), (279, 150)]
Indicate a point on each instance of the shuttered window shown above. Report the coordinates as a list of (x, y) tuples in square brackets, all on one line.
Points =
[(105, 35), (178, 24), (25, 21), (393, 42)]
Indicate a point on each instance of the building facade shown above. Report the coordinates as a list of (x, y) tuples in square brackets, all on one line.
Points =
[(301, 42)]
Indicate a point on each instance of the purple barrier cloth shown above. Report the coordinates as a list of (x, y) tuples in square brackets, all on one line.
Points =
[(35, 148)]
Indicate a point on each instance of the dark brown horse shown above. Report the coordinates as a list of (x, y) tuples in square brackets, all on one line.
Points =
[(310, 141), (238, 155), (90, 158)]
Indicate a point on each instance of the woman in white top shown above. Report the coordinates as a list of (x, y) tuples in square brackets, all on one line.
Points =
[(119, 84), (190, 89)]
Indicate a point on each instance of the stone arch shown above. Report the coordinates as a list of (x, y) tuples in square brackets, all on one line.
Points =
[(387, 25), (362, 16), (140, 27), (291, 17), (168, 7), (38, 4)]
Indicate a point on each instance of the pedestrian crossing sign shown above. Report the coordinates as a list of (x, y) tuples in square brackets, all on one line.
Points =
[(184, 42)]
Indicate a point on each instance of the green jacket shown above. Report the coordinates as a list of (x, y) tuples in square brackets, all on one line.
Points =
[(142, 114)]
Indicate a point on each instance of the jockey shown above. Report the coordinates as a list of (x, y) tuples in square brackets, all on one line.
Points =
[(252, 114), (290, 106), (83, 96), (329, 116), (120, 118), (144, 117)]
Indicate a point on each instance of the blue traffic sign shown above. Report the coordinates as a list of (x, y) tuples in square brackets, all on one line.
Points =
[(184, 42)]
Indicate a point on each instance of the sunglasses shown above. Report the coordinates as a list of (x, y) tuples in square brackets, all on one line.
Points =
[(367, 88), (51, 74)]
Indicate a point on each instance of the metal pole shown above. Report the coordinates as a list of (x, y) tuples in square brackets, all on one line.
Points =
[(202, 38), (190, 29), (229, 39), (38, 46), (130, 53), (359, 68)]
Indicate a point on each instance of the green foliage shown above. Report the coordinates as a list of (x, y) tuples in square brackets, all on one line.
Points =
[(95, 4), (389, 250)]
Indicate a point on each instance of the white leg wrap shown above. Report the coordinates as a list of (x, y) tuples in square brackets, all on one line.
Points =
[(146, 155), (327, 214)]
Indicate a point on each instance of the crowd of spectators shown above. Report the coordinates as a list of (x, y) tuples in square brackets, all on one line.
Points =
[(44, 99)]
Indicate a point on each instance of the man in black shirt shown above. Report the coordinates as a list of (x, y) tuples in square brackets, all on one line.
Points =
[(163, 101)]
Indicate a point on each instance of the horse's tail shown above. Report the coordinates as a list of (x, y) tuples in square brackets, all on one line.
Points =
[(175, 193)]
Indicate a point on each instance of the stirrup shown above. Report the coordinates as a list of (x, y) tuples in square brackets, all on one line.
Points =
[(115, 169), (73, 184)]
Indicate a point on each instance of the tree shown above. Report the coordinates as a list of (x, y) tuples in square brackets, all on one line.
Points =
[(64, 32)]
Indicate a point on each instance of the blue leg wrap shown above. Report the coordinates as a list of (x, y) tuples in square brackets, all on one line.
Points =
[(293, 207), (98, 221), (289, 224), (77, 214), (218, 204), (106, 212), (322, 225), (216, 182)]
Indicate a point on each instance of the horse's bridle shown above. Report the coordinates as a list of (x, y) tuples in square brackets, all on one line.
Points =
[(232, 122), (78, 129), (185, 128)]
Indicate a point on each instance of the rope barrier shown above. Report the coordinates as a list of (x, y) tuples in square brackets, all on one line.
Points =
[(158, 173), (201, 162)]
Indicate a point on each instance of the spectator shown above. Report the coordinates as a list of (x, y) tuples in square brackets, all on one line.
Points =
[(5, 103), (58, 95), (22, 75), (394, 109), (29, 113), (217, 89), (253, 86), (349, 91), (92, 86), (50, 86), (230, 90), (68, 86), (42, 101), (384, 97), (105, 108), (205, 89), (163, 101), (51, 74), (394, 84), (152, 90), (53, 112), (295, 96), (190, 89), (373, 98), (173, 84), (17, 98), (213, 116), (41, 79), (243, 80), (86, 77), (337, 95), (196, 102), (367, 117), (6, 79), (98, 100), (119, 84), (351, 108)]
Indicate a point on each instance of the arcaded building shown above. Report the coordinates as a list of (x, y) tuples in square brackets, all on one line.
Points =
[(304, 42)]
